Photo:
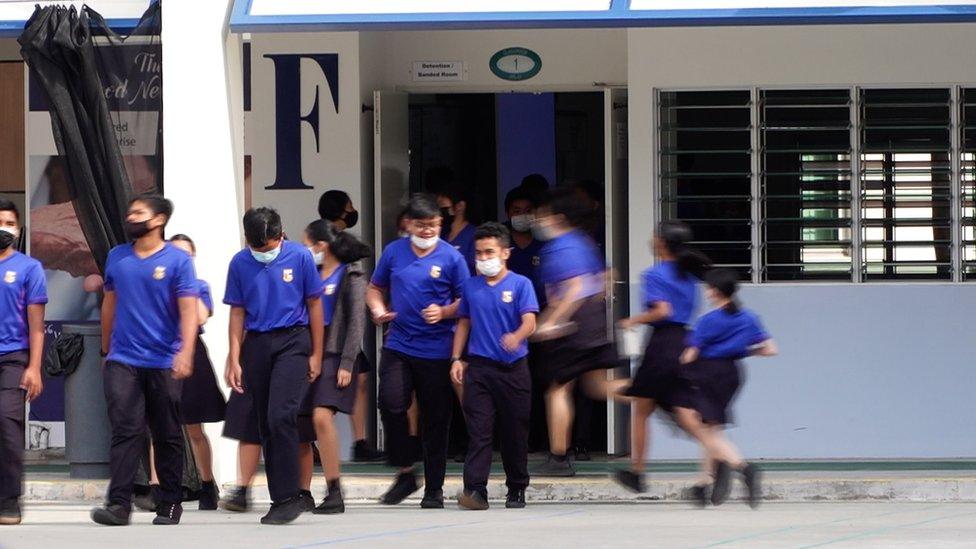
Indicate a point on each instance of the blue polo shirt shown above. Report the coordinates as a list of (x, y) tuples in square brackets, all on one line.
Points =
[(570, 256), (22, 284), (527, 262), (464, 244), (663, 282), (273, 295), (414, 283), (495, 311), (330, 293), (206, 296), (720, 334), (146, 331)]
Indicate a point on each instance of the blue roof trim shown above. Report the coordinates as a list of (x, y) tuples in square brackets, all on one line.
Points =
[(619, 15), (12, 29)]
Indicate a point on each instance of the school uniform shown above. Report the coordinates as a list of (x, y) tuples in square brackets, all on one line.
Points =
[(722, 338), (464, 244), (497, 383), (202, 401), (659, 375), (139, 385), (416, 355), (22, 284), (566, 257), (275, 351)]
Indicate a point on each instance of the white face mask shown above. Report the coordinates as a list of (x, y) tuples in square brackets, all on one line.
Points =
[(522, 223), (489, 267), (319, 257), (423, 243), (266, 257)]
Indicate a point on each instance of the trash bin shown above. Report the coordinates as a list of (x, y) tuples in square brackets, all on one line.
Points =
[(88, 436)]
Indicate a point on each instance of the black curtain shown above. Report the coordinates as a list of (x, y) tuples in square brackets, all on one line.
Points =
[(58, 48)]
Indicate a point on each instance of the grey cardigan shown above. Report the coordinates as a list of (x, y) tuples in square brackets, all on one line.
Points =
[(344, 335)]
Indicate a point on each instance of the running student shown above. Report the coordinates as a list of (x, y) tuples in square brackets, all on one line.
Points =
[(338, 256), (497, 315), (23, 294), (149, 330), (274, 292), (711, 365), (423, 276)]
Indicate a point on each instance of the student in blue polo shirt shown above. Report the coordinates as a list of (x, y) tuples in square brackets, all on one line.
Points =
[(149, 327), (23, 294), (423, 276), (274, 289), (497, 315), (456, 229)]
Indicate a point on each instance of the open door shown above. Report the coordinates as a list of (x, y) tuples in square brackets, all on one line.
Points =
[(391, 180), (615, 204)]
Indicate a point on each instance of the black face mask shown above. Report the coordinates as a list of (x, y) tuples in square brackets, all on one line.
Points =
[(137, 230), (448, 218), (6, 239), (351, 219)]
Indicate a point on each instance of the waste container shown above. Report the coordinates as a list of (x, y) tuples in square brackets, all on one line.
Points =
[(88, 436)]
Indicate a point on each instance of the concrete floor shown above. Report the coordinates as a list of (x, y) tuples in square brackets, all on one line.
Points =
[(540, 525)]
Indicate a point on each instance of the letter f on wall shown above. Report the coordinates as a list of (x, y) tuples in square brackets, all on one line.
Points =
[(289, 117)]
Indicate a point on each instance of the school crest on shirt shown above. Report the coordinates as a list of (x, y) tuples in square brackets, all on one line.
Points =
[(536, 261), (435, 271), (507, 296), (10, 277), (330, 289), (288, 275), (159, 273)]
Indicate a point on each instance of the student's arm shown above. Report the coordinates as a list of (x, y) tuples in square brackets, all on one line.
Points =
[(565, 305), (108, 319), (689, 355), (460, 340), (232, 374), (355, 325), (435, 313), (316, 322), (659, 310), (189, 326), (32, 380), (511, 341), (766, 348), (376, 301)]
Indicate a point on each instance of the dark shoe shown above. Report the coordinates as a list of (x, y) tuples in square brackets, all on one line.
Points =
[(331, 505), (308, 501), (472, 500), (362, 453), (433, 499), (699, 495), (404, 485), (582, 453), (723, 484), (168, 513), (238, 500), (209, 496), (112, 514), (554, 468), (146, 501), (10, 512), (752, 477), (284, 512), (629, 480), (515, 498)]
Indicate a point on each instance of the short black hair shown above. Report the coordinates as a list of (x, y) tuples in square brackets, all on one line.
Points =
[(493, 229), (261, 225), (535, 183), (519, 193), (591, 188), (157, 203), (346, 247), (563, 201), (422, 206), (725, 281), (183, 238), (332, 204), (9, 206)]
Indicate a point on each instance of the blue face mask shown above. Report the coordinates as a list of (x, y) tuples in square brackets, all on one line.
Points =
[(266, 257)]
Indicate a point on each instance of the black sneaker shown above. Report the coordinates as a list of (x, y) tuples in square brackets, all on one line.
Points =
[(237, 500), (433, 499), (515, 498), (331, 505), (168, 514), (308, 501), (362, 453), (284, 512), (699, 495), (10, 512), (146, 501), (404, 485), (553, 467), (582, 453), (723, 484), (752, 477), (629, 480), (472, 500), (112, 514), (209, 496)]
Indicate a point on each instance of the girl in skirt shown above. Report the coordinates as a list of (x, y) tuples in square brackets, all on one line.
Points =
[(338, 256), (711, 368)]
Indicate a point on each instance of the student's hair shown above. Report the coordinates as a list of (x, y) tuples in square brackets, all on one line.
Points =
[(726, 283), (183, 238), (261, 225), (422, 206), (8, 206), (332, 204), (676, 236), (563, 201), (535, 183), (454, 192), (519, 193), (493, 229), (157, 203), (590, 188), (346, 247)]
